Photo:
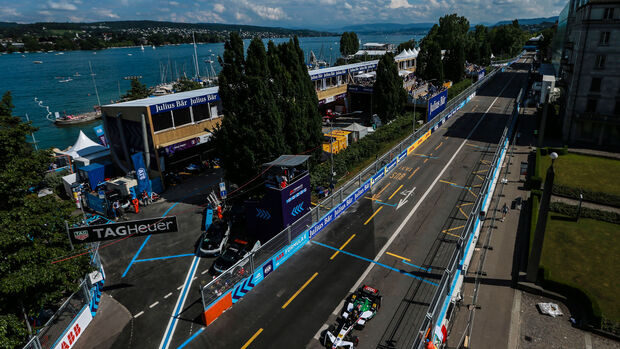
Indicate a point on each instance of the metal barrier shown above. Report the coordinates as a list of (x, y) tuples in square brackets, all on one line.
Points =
[(85, 299), (245, 274), (459, 261)]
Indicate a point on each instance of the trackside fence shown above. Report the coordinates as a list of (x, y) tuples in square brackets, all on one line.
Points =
[(64, 328), (228, 288), (452, 278)]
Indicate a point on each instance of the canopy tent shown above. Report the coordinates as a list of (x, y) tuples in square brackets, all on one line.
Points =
[(84, 150), (288, 160), (403, 73)]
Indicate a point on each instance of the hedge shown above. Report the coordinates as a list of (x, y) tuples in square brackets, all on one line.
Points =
[(588, 195), (459, 87), (366, 148), (571, 210)]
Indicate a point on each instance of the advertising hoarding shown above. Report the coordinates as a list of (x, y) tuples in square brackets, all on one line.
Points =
[(112, 231), (436, 104)]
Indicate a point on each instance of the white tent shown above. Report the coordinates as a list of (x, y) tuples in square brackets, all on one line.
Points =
[(85, 149)]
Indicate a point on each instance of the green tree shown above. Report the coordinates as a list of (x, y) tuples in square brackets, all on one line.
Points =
[(409, 45), (185, 84), (296, 97), (138, 90), (430, 65), (349, 43), (454, 62), (32, 235), (251, 133), (389, 96)]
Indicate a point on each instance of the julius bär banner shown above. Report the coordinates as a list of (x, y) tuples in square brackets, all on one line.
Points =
[(119, 230)]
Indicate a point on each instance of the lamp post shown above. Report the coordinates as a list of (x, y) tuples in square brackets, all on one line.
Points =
[(331, 155), (539, 235)]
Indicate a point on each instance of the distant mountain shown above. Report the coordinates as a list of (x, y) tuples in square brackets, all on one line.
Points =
[(385, 28), (530, 21)]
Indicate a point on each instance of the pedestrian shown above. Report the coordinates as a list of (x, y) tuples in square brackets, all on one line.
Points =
[(145, 197), (116, 209), (136, 205), (504, 211)]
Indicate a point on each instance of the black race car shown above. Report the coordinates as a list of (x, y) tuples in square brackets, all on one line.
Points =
[(212, 241), (235, 252)]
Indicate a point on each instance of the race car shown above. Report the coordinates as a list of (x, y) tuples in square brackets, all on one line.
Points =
[(358, 309), (343, 339), (234, 252), (214, 239), (362, 306)]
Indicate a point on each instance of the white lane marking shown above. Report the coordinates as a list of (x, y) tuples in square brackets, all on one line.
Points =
[(422, 198), (204, 272), (172, 324), (318, 334), (168, 295), (140, 313), (154, 304), (337, 310), (180, 287)]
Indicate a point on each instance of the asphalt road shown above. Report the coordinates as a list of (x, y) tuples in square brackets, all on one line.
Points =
[(408, 247), (148, 275)]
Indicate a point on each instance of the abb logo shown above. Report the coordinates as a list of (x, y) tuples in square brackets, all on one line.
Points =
[(67, 341), (71, 337), (280, 256)]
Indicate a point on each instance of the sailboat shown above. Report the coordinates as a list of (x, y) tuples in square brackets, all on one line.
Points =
[(153, 47), (142, 47)]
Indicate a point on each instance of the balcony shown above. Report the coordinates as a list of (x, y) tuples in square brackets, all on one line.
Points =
[(331, 91)]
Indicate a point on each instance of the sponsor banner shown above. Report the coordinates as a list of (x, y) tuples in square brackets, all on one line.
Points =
[(419, 141), (184, 103), (75, 329), (142, 174), (360, 89), (377, 177), (436, 104), (391, 165), (171, 149), (322, 223), (290, 250), (481, 74), (112, 231), (101, 135), (402, 155)]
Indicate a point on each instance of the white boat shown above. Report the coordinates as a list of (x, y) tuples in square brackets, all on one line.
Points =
[(65, 80), (37, 62), (142, 47), (129, 54), (153, 47)]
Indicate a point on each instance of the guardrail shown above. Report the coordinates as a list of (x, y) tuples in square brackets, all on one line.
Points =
[(64, 328), (452, 277), (228, 288)]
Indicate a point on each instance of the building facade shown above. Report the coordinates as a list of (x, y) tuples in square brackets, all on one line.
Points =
[(589, 67)]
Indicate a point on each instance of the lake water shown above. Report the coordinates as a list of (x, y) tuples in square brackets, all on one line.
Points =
[(27, 80)]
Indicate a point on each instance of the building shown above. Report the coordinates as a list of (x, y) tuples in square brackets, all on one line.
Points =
[(171, 130), (373, 50), (589, 69)]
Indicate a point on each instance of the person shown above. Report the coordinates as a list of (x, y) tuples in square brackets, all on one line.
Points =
[(145, 198), (116, 206), (136, 205), (504, 211)]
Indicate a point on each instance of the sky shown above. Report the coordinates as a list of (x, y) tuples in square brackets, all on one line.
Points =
[(313, 14)]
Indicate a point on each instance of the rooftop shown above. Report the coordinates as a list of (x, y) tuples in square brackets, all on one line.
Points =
[(147, 102)]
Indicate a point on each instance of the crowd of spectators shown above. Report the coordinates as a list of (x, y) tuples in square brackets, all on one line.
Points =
[(472, 69)]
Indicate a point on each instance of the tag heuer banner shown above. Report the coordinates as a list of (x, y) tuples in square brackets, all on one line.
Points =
[(118, 230)]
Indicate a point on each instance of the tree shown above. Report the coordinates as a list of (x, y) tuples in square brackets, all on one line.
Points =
[(138, 90), (388, 95), (296, 97), (408, 45), (251, 133), (454, 62), (32, 235), (185, 84), (349, 43), (430, 65)]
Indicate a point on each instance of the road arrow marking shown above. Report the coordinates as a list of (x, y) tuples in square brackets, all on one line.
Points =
[(404, 201)]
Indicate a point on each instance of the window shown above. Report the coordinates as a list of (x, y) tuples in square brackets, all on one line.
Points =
[(162, 121), (595, 86), (604, 39), (609, 13), (201, 112), (182, 117), (600, 61), (591, 106)]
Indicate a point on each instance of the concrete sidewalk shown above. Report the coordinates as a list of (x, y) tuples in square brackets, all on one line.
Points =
[(107, 325)]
